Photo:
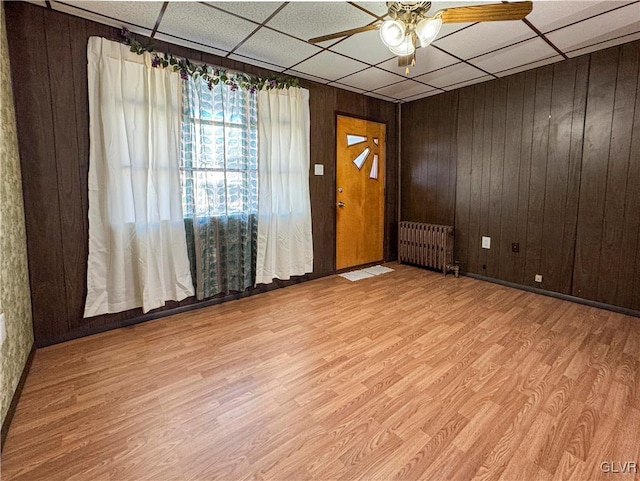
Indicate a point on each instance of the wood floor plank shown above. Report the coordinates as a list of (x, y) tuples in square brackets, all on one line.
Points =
[(404, 376)]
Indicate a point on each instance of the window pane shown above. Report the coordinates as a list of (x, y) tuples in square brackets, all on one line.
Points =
[(219, 151)]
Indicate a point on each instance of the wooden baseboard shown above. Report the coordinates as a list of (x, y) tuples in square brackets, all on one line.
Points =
[(16, 397), (276, 284), (557, 295)]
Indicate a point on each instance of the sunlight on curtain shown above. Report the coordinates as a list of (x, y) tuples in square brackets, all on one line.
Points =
[(285, 244), (137, 246), (219, 167)]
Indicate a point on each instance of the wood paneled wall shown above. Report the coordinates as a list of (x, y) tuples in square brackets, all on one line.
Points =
[(548, 159), (49, 70)]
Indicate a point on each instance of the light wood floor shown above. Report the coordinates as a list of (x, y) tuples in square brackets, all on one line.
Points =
[(408, 375)]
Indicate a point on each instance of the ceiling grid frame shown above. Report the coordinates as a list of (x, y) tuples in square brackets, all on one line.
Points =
[(92, 10)]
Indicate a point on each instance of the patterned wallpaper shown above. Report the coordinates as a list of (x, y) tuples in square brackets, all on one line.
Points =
[(15, 298)]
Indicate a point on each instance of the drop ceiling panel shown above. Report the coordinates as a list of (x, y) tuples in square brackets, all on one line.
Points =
[(381, 97), (484, 37), (428, 59), (377, 8), (114, 22), (256, 62), (256, 11), (403, 89), (529, 66), (347, 87), (143, 14), (516, 55), (330, 65), (306, 20), (276, 48), (371, 79), (188, 44), (548, 16), (423, 95), (296, 73), (459, 85), (617, 23), (365, 46), (203, 24), (451, 28), (603, 45), (457, 73)]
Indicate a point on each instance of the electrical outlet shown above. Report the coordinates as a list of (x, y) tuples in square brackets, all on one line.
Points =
[(538, 278), (486, 242)]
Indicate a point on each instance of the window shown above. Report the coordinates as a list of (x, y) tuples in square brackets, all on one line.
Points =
[(219, 151), (219, 177)]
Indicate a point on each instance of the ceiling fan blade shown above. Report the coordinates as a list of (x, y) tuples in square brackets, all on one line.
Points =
[(486, 13), (344, 33)]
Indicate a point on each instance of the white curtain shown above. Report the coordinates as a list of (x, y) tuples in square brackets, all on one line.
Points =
[(137, 246), (285, 244)]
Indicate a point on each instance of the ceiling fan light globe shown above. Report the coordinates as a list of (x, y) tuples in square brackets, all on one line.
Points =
[(427, 30), (392, 32), (405, 48)]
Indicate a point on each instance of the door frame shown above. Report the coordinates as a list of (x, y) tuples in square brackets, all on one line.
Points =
[(335, 184)]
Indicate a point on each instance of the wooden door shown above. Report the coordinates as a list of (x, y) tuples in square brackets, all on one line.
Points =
[(360, 157)]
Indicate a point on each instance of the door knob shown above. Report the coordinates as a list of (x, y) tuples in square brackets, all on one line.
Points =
[(340, 204)]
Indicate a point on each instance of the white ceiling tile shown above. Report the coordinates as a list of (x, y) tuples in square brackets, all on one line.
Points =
[(514, 56), (459, 85), (256, 11), (203, 24), (529, 66), (306, 20), (296, 73), (403, 89), (460, 72), (114, 22), (450, 28), (256, 62), (427, 60), (371, 79), (365, 46), (186, 43), (276, 48), (603, 45), (346, 87), (484, 37), (143, 14), (624, 21), (330, 65), (378, 8), (551, 15), (381, 97), (422, 95)]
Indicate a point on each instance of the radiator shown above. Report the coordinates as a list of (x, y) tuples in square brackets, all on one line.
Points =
[(428, 245)]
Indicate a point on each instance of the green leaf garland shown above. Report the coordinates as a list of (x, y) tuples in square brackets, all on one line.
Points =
[(213, 76)]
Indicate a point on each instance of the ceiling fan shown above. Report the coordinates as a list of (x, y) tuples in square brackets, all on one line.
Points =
[(410, 26)]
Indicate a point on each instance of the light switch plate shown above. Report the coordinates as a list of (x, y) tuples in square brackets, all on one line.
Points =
[(3, 330), (318, 169), (486, 242)]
